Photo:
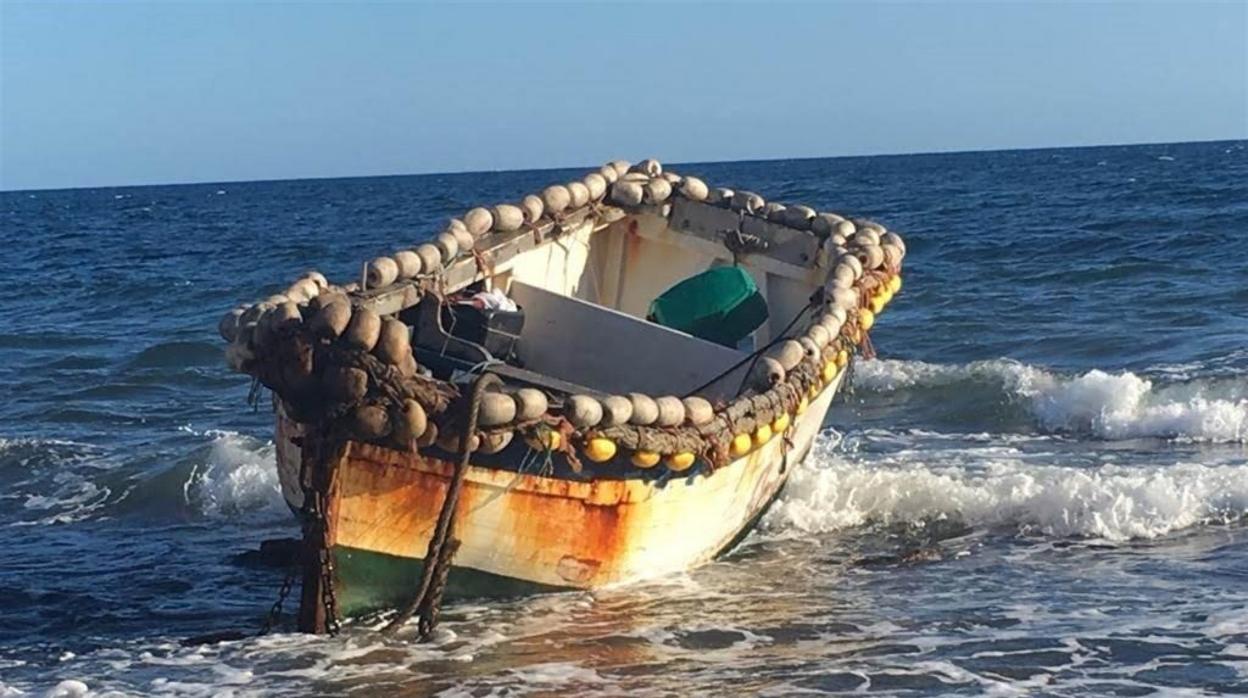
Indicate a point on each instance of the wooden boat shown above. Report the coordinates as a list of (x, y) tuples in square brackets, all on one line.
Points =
[(607, 447)]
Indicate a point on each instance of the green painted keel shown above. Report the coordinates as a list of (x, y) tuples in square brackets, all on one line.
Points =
[(367, 582)]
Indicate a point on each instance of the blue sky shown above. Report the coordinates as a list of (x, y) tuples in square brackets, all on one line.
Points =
[(126, 93)]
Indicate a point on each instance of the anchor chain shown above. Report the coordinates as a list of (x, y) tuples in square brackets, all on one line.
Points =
[(315, 528), (329, 598), (311, 514), (275, 611), (312, 518)]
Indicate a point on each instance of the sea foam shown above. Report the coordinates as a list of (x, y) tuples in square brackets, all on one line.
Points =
[(832, 491), (1097, 403), (238, 475)]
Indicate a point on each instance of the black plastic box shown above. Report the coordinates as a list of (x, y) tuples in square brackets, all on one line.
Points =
[(496, 330)]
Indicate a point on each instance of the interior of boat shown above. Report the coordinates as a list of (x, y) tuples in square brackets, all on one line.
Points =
[(584, 321)]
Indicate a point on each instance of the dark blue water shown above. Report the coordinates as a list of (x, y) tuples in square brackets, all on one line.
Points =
[(1060, 408)]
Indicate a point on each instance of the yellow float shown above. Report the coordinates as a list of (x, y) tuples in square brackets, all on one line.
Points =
[(680, 462), (741, 445), (645, 459), (780, 424), (802, 404), (829, 371), (866, 318), (600, 450), (762, 434)]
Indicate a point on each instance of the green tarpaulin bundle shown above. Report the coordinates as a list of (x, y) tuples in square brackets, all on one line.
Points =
[(720, 305)]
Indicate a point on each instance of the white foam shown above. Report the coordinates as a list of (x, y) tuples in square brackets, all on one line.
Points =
[(54, 486), (1228, 624), (74, 499), (886, 375), (831, 492), (1100, 404), (8, 444), (1120, 406), (68, 688), (556, 673), (239, 475)]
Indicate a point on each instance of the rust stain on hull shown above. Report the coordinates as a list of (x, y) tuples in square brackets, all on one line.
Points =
[(531, 522), (553, 531)]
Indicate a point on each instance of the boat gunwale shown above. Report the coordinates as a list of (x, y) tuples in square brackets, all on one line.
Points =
[(602, 490)]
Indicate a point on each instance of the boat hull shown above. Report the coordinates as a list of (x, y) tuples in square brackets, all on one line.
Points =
[(524, 532)]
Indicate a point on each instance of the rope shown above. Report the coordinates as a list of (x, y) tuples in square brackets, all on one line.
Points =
[(485, 265), (253, 394), (442, 545), (752, 357), (739, 242), (868, 348), (431, 608)]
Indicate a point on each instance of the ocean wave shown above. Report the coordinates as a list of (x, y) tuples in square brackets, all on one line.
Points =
[(238, 475), (44, 481), (228, 475), (831, 492), (1099, 404), (177, 354), (29, 453)]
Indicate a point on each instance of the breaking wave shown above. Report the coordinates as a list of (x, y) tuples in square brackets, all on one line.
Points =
[(1097, 404), (832, 492), (237, 475), (227, 475)]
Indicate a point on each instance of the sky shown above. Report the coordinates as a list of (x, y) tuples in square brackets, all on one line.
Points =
[(108, 93)]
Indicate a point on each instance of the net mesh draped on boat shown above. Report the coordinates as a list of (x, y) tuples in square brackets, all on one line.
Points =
[(340, 359), (336, 362)]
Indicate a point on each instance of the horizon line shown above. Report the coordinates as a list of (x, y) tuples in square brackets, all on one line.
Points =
[(572, 167)]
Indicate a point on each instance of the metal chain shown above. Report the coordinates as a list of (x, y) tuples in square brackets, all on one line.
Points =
[(288, 582), (329, 598), (314, 510), (312, 516), (275, 612)]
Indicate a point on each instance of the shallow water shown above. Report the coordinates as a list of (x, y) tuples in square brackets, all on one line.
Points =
[(1059, 421)]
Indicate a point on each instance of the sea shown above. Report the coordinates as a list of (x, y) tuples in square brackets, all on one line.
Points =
[(1039, 487)]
